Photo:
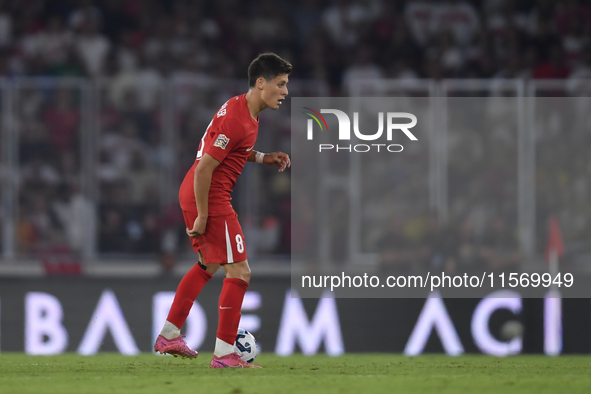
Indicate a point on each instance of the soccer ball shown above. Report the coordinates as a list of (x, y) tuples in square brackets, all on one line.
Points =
[(246, 345), (511, 330)]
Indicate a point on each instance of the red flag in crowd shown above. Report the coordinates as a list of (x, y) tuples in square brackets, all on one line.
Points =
[(555, 241)]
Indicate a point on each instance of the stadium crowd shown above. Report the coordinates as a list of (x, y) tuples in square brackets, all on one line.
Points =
[(333, 40), (136, 45)]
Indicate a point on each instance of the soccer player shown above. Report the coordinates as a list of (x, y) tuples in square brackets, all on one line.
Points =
[(212, 224)]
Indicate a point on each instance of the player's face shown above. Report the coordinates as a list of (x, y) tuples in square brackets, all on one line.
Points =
[(274, 91)]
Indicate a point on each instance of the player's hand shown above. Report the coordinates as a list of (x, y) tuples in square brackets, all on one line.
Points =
[(277, 159), (198, 227)]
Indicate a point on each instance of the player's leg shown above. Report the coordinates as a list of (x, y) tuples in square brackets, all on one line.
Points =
[(233, 290), (235, 285), (170, 339), (230, 304), (186, 293), (191, 284)]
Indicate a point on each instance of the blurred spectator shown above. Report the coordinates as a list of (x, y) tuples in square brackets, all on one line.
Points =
[(574, 40), (571, 13), (5, 25), (86, 13), (449, 55), (39, 171), (399, 252), (38, 224), (500, 248), (438, 244), (127, 52), (136, 91), (27, 234), (362, 68), (76, 215), (143, 179), (123, 144), (512, 68), (501, 17), (112, 237), (468, 256), (305, 17), (267, 25), (62, 120), (421, 16), (554, 67), (129, 104), (344, 20), (92, 47), (108, 114), (580, 79), (544, 40), (34, 141), (53, 44), (458, 17), (401, 53)]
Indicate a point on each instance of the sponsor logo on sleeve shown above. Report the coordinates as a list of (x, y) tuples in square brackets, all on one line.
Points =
[(221, 141)]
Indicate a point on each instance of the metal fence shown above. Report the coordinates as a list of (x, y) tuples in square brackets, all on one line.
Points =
[(528, 164), (520, 162), (90, 169)]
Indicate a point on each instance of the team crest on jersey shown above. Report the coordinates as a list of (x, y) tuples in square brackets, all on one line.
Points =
[(221, 141)]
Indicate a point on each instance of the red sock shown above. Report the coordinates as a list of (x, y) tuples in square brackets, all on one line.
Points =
[(230, 304), (186, 293)]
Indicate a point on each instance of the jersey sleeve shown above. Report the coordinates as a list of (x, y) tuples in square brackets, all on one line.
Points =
[(224, 138)]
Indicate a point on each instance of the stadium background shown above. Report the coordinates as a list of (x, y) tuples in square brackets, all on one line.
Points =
[(103, 104)]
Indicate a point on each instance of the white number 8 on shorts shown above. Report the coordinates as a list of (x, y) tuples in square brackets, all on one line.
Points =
[(239, 243), (234, 240)]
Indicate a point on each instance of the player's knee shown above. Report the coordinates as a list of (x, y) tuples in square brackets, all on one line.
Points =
[(238, 270), (242, 273), (246, 275)]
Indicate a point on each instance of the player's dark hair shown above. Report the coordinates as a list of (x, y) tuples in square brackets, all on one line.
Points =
[(268, 66)]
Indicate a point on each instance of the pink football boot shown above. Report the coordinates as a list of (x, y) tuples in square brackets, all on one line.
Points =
[(177, 347), (231, 360)]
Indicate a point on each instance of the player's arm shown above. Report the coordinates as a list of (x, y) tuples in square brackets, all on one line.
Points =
[(279, 159), (201, 186)]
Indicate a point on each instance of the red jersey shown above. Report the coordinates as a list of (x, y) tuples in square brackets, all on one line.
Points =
[(229, 139)]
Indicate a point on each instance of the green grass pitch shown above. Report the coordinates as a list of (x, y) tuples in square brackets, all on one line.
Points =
[(362, 373)]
